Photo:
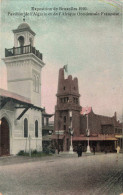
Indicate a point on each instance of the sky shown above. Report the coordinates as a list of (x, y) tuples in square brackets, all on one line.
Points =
[(91, 46)]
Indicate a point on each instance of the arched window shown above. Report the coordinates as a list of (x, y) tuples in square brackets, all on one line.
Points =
[(34, 82), (21, 41), (25, 127), (37, 84), (36, 128)]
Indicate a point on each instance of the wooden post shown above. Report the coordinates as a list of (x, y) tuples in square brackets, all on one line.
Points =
[(29, 145)]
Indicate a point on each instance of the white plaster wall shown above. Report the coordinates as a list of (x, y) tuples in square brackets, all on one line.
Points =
[(19, 70), (19, 77), (17, 140), (36, 96), (21, 143), (22, 88)]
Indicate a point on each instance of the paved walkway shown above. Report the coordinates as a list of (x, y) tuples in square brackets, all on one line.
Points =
[(63, 175), (7, 160)]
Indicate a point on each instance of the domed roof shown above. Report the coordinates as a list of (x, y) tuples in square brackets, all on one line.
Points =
[(23, 25)]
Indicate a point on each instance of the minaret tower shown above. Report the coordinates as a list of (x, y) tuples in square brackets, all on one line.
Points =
[(68, 105), (24, 64)]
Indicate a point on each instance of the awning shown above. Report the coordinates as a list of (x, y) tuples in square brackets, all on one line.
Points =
[(100, 138), (119, 136), (57, 136), (24, 103)]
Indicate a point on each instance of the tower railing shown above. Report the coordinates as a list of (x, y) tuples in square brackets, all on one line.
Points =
[(23, 50), (68, 106)]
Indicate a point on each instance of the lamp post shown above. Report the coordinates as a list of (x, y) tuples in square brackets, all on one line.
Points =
[(59, 124), (88, 134), (71, 133), (71, 143)]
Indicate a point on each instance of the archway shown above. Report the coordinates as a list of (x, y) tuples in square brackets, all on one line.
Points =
[(4, 138), (21, 41)]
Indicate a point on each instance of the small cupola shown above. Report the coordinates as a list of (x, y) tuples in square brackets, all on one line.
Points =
[(23, 35)]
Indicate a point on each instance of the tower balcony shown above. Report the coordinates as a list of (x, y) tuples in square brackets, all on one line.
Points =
[(23, 50), (67, 107)]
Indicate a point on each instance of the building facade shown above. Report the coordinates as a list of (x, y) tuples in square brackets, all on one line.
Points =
[(86, 126), (47, 129), (20, 105), (67, 100)]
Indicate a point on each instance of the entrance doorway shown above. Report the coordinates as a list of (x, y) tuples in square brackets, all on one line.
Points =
[(4, 138)]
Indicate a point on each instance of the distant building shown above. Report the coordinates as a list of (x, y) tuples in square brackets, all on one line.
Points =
[(119, 135), (20, 105), (100, 130), (47, 129)]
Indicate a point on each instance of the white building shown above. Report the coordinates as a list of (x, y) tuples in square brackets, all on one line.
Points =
[(20, 105)]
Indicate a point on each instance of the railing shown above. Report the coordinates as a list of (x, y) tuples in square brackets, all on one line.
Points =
[(49, 127), (22, 50), (67, 106)]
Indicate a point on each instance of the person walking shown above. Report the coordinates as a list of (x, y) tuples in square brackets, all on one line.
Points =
[(118, 149), (94, 150), (79, 151)]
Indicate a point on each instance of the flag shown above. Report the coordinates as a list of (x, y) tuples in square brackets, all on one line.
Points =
[(65, 67)]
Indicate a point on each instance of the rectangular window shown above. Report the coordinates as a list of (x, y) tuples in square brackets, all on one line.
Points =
[(42, 121), (47, 121), (25, 127), (64, 119), (64, 127), (36, 128), (73, 99)]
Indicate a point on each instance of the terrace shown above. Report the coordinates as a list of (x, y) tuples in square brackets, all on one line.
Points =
[(23, 50)]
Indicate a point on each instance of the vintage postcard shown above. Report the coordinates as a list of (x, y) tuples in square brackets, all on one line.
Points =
[(61, 97)]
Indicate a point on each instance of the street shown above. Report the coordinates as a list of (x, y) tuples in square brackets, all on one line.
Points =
[(61, 175)]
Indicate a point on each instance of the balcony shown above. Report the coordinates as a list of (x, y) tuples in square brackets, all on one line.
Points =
[(23, 50), (67, 106)]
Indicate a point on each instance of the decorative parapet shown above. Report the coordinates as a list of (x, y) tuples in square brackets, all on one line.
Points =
[(23, 50)]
